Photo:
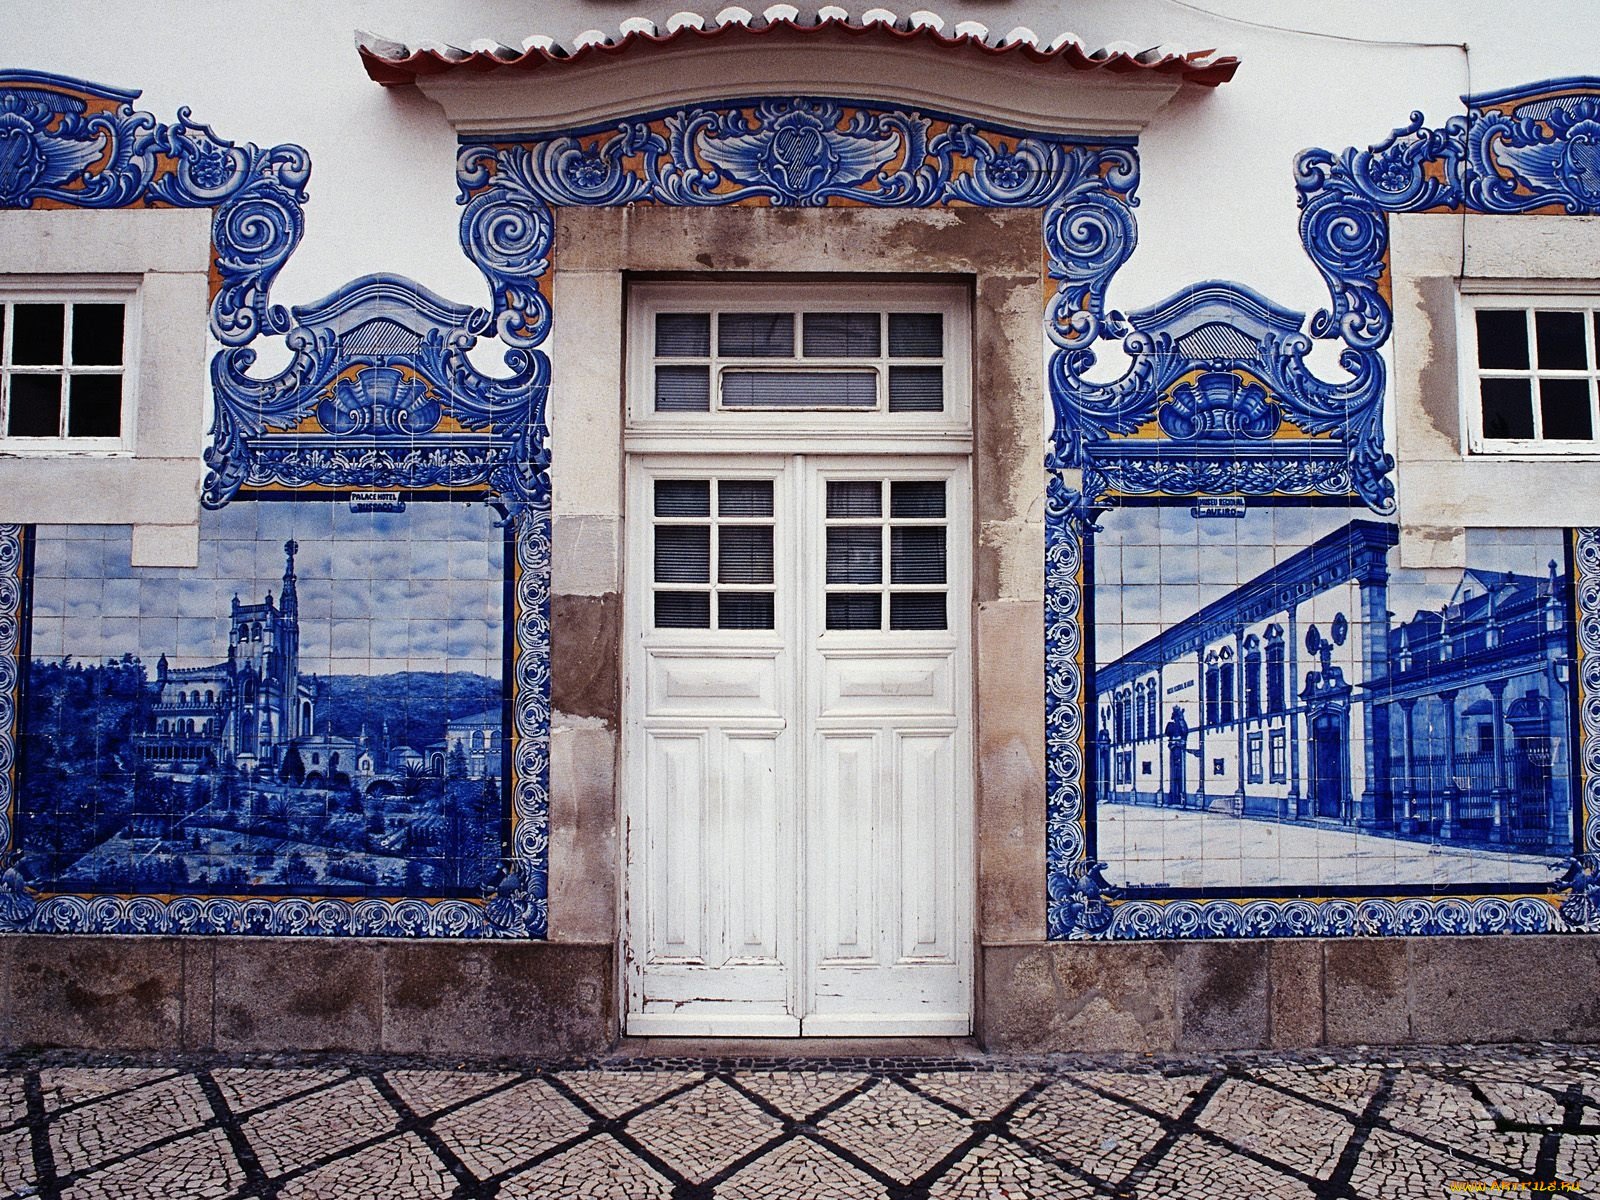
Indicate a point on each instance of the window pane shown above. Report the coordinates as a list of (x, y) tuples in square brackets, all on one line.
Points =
[(96, 406), (855, 555), (841, 335), (36, 334), (744, 610), (683, 389), (755, 335), (683, 335), (744, 498), (683, 554), (913, 610), (97, 335), (800, 389), (855, 498), (916, 498), (916, 555), (916, 389), (855, 612), (1560, 338), (916, 335), (35, 406), (1502, 339), (683, 610), (744, 554), (1507, 409), (683, 498), (1564, 408)]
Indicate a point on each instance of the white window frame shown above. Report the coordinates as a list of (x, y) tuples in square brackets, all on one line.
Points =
[(67, 291), (751, 429), (1523, 296)]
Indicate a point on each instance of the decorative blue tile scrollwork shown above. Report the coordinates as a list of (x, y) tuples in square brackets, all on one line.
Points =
[(381, 394), (80, 144), (801, 152)]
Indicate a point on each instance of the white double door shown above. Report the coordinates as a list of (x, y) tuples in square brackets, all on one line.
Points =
[(797, 755)]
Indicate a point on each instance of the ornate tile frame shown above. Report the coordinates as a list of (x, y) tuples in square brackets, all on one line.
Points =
[(379, 393), (1217, 379)]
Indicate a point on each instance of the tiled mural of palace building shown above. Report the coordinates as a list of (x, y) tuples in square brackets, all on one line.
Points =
[(1301, 695), (242, 712)]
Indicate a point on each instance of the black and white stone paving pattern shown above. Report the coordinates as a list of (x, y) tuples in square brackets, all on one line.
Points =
[(1336, 1126)]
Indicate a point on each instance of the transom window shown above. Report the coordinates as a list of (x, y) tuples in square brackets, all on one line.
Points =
[(879, 361), (746, 359), (63, 371), (1535, 364)]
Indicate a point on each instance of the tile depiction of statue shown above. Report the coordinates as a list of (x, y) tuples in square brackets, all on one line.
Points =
[(1277, 705), (317, 709)]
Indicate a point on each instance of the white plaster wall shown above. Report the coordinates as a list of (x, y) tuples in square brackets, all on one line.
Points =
[(1217, 197)]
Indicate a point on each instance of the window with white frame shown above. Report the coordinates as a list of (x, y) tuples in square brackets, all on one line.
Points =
[(1532, 365), (65, 373), (750, 354)]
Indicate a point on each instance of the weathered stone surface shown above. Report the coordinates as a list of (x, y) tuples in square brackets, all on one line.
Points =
[(1080, 996), (1010, 792), (95, 992), (508, 998), (1365, 989), (1222, 995), (1505, 989), (1294, 993), (585, 656), (297, 994)]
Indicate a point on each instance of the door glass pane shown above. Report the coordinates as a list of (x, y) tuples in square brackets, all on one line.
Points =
[(841, 335), (744, 498), (916, 610), (755, 335), (916, 555), (683, 498), (800, 389), (916, 498), (916, 389), (851, 611), (683, 610), (683, 554), (744, 554), (683, 335), (916, 335), (855, 498), (683, 389), (745, 610), (855, 555)]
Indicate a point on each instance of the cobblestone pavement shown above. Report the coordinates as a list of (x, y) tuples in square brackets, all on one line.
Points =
[(1335, 1126)]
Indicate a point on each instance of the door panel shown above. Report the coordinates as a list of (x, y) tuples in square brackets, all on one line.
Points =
[(800, 859)]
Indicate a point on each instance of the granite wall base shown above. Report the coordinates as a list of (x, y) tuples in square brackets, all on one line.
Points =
[(1289, 994), (241, 995)]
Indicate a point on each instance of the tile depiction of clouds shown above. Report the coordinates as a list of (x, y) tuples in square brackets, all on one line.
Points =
[(1230, 753), (359, 613)]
